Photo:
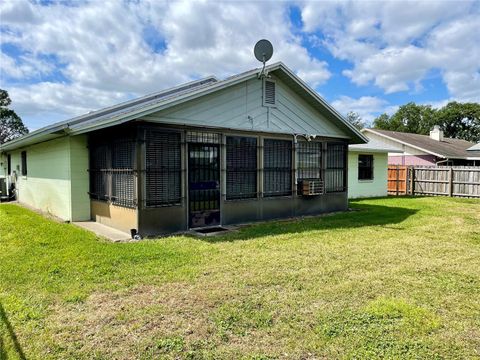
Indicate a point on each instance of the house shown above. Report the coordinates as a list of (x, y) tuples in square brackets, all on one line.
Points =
[(368, 169), (206, 153), (427, 150)]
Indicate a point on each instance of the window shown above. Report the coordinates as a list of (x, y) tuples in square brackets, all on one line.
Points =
[(241, 167), (9, 164), (24, 163), (277, 163), (309, 160), (365, 167), (335, 175), (163, 168), (112, 171), (269, 93)]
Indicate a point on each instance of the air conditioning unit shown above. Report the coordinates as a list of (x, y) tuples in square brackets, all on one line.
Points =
[(311, 187)]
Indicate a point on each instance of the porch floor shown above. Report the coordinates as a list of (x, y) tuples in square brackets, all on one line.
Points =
[(103, 230)]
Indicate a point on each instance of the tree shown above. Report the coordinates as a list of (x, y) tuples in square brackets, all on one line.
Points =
[(11, 126), (460, 121), (411, 118), (457, 120), (355, 120)]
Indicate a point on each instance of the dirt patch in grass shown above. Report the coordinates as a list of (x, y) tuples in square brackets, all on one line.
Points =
[(191, 319), (113, 323)]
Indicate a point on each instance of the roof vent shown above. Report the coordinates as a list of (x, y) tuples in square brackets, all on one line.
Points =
[(436, 133), (269, 93)]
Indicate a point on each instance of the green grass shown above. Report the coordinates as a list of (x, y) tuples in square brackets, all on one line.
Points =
[(399, 278)]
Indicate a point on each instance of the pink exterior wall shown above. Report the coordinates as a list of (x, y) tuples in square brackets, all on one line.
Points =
[(411, 160)]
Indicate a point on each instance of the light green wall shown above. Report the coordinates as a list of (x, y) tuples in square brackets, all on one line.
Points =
[(367, 188), (79, 178), (56, 177), (231, 107), (46, 185)]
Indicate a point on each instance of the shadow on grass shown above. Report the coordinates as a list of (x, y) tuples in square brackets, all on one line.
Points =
[(361, 215), (13, 336)]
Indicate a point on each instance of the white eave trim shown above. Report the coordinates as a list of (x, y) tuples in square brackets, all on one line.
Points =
[(355, 149)]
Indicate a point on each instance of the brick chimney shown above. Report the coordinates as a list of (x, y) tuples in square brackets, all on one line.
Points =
[(436, 133)]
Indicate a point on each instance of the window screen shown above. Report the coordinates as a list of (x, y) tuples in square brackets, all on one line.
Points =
[(163, 168), (365, 167), (9, 164), (309, 160), (241, 167), (24, 163), (112, 171), (277, 164), (335, 175)]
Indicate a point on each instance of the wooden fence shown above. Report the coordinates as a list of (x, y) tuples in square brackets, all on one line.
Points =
[(460, 181)]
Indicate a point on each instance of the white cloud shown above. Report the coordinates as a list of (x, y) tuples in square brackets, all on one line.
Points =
[(106, 58), (394, 44), (368, 107)]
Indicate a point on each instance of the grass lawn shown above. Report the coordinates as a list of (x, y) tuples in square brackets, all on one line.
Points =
[(399, 278)]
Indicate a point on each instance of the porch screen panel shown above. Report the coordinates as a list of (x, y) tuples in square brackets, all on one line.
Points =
[(163, 169), (309, 160), (99, 175), (277, 167), (123, 177), (112, 175), (241, 167), (335, 173)]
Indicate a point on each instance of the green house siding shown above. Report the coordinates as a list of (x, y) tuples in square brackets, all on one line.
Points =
[(79, 176), (57, 177), (240, 107), (367, 188)]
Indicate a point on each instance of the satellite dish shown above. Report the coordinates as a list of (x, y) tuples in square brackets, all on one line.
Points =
[(263, 50)]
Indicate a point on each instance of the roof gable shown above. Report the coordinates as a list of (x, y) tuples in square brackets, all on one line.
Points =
[(240, 107)]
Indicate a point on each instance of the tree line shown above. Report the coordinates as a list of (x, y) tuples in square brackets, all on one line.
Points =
[(457, 120)]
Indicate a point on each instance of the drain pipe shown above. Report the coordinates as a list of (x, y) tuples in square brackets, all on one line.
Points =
[(442, 161)]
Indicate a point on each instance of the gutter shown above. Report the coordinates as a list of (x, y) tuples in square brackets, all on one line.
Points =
[(442, 161), (36, 136)]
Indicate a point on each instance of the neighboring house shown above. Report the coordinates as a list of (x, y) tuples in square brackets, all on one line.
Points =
[(206, 153), (427, 150), (368, 169)]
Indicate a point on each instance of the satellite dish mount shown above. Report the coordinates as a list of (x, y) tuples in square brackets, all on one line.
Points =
[(263, 52)]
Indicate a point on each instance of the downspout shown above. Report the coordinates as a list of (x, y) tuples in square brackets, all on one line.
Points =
[(441, 161)]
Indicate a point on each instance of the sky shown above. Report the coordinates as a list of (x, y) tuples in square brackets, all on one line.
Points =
[(59, 59)]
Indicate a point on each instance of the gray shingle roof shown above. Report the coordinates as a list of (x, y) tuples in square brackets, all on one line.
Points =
[(448, 148)]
